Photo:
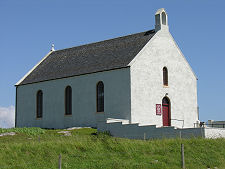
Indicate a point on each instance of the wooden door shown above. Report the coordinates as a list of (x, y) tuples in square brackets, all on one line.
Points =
[(166, 111)]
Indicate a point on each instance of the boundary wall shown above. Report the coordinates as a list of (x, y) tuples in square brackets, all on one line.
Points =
[(122, 128)]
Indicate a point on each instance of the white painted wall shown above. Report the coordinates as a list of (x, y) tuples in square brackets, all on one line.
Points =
[(117, 100), (147, 88), (214, 132), (118, 128)]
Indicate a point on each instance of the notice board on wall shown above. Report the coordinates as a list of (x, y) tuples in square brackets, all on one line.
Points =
[(158, 109)]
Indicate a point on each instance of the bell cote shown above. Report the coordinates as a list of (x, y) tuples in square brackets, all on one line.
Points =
[(161, 20)]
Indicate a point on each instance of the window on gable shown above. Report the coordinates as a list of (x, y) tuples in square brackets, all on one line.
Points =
[(39, 104), (164, 18), (165, 76), (68, 100), (100, 97)]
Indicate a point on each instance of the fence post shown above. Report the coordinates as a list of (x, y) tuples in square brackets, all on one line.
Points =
[(202, 132), (60, 161), (182, 157)]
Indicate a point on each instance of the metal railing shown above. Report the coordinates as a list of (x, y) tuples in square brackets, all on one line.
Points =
[(216, 125), (179, 120), (213, 125)]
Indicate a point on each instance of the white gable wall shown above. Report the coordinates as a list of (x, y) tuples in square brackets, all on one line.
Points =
[(147, 88), (116, 98)]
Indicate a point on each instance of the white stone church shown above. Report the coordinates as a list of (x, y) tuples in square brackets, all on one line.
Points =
[(141, 78)]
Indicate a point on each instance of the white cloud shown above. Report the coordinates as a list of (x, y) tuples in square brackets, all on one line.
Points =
[(7, 117)]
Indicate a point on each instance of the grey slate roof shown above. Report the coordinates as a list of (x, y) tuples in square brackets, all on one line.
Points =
[(100, 56)]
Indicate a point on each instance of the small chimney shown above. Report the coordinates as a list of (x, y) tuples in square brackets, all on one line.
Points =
[(161, 20)]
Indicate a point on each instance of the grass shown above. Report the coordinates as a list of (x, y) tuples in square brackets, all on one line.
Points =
[(28, 131), (86, 149)]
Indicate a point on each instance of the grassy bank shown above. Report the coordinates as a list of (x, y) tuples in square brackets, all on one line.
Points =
[(85, 149)]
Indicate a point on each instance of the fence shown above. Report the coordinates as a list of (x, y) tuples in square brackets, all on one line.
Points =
[(216, 125), (213, 125)]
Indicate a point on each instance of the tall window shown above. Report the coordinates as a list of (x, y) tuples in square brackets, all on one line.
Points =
[(39, 104), (165, 76), (68, 100), (100, 97)]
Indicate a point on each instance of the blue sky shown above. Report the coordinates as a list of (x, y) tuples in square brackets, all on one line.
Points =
[(28, 28)]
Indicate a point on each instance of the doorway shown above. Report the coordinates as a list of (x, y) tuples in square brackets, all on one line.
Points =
[(166, 111)]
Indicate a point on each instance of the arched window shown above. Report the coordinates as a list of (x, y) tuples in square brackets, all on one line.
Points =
[(68, 100), (100, 97), (163, 18), (165, 76), (39, 104)]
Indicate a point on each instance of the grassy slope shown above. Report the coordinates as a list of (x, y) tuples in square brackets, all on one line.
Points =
[(84, 149)]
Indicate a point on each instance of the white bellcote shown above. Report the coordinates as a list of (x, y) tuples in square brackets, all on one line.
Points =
[(161, 20)]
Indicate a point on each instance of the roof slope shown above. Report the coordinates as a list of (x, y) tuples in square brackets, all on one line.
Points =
[(101, 56)]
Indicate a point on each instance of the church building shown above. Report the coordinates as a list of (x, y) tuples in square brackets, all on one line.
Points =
[(142, 78)]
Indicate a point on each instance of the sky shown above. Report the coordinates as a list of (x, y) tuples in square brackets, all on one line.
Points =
[(28, 28)]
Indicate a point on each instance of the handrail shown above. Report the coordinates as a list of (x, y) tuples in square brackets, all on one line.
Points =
[(179, 120)]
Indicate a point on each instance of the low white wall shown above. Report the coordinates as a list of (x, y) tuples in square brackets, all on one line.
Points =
[(134, 131), (122, 128), (214, 133)]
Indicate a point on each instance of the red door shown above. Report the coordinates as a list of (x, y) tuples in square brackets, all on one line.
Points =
[(166, 111), (166, 115)]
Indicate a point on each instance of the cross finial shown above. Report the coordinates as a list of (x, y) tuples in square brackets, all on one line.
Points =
[(53, 49)]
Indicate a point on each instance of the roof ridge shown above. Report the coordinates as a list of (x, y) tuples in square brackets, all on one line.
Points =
[(106, 40)]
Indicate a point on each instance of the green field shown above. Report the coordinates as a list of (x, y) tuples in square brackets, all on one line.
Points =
[(40, 149)]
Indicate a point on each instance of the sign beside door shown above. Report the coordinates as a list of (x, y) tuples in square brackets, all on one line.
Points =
[(158, 109)]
